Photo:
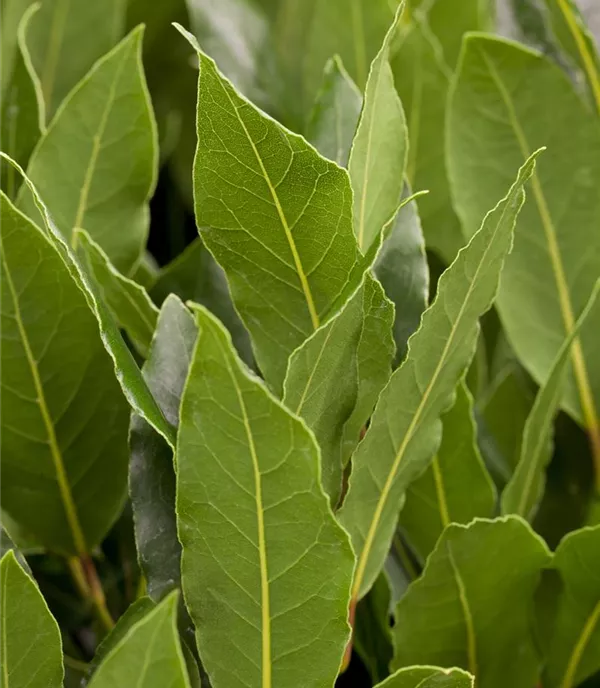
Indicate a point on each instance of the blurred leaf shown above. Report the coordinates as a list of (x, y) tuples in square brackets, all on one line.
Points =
[(7, 545), (455, 488), (428, 677), (102, 183), (31, 645), (449, 617), (266, 569), (405, 429)]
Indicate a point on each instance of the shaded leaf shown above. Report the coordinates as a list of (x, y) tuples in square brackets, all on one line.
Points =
[(428, 677), (266, 569), (405, 428), (149, 654), (64, 420), (455, 488), (6, 545), (276, 216), (31, 645), (449, 617), (151, 471), (95, 167)]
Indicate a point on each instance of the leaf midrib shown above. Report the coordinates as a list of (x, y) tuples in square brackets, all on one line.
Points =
[(466, 610), (4, 628), (580, 647), (57, 459), (284, 223)]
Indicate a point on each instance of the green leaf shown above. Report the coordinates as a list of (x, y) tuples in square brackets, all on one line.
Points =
[(23, 116), (573, 653), (334, 378), (449, 616), (95, 167), (276, 216), (148, 655), (335, 114), (6, 545), (151, 471), (12, 14), (401, 267), (195, 276), (31, 646), (405, 429), (378, 155), (428, 677), (128, 301), (64, 420), (67, 38), (266, 569), (526, 486), (455, 488), (494, 115)]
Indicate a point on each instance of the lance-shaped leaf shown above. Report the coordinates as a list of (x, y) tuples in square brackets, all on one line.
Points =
[(23, 114), (67, 38), (128, 301), (275, 215), (546, 284), (31, 654), (151, 471), (526, 486), (335, 114), (448, 616), (95, 167), (266, 569), (455, 488), (64, 420), (148, 655), (334, 378), (428, 677), (378, 154), (573, 650), (405, 428)]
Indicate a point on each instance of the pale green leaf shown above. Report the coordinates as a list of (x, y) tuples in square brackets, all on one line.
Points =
[(428, 677), (574, 649), (151, 470), (12, 14), (405, 428), (95, 167), (335, 114), (526, 486), (67, 38), (276, 216), (455, 488), (64, 419), (378, 155), (148, 655), (499, 112), (334, 378), (266, 569), (128, 301), (472, 606), (31, 654)]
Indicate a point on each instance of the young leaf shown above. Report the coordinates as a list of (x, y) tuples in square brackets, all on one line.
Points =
[(573, 653), (428, 677), (378, 154), (493, 116), (525, 488), (149, 654), (64, 419), (128, 301), (405, 429), (95, 167), (275, 215), (449, 617), (23, 115), (334, 378), (266, 569), (67, 38), (31, 654), (151, 471), (335, 114), (455, 488)]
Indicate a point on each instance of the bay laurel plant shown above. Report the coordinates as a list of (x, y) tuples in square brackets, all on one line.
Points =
[(300, 331)]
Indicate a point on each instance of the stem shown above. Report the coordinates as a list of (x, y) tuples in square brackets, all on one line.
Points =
[(76, 664), (89, 586)]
